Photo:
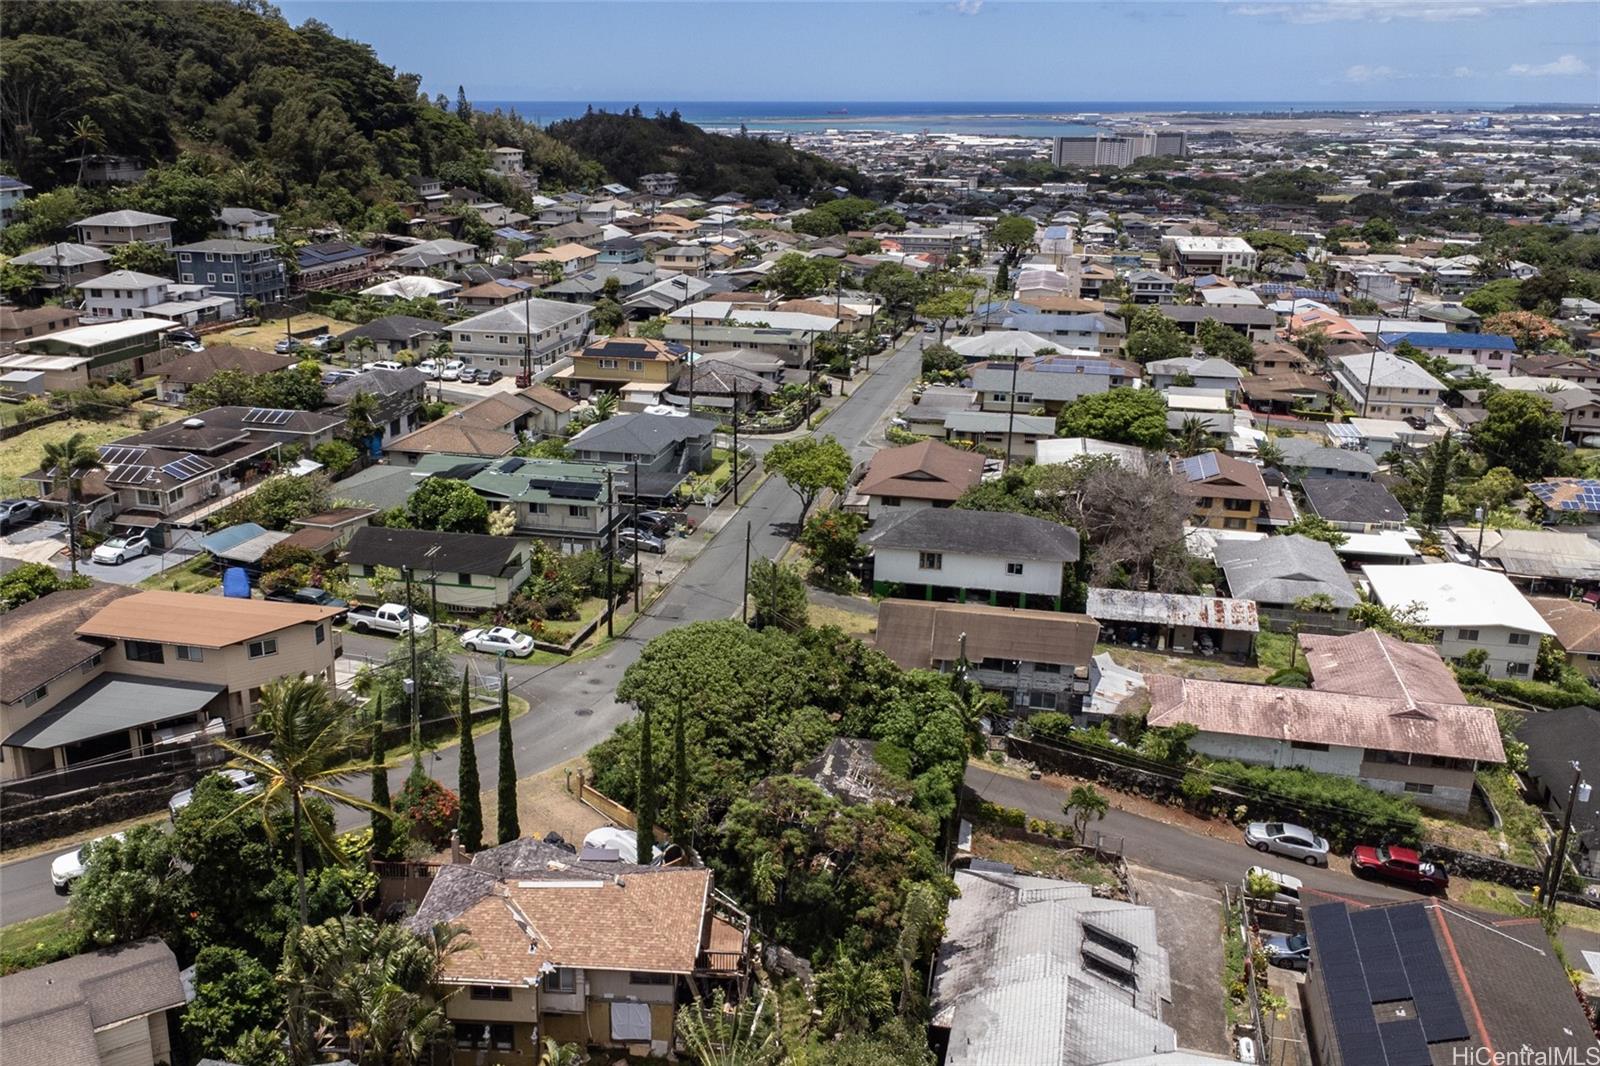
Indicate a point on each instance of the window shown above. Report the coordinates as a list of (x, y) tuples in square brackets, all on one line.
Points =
[(1419, 788), (1047, 668), (1005, 666), (211, 278), (1233, 523), (1306, 745), (1013, 568), (608, 364), (35, 696), (1518, 640), (475, 1036), (635, 364), (1517, 669), (92, 664), (649, 978), (1467, 634), (259, 649), (321, 632), (183, 257), (930, 561), (1042, 700), (227, 279), (493, 992), (142, 651), (577, 511), (889, 501), (187, 653), (560, 979)]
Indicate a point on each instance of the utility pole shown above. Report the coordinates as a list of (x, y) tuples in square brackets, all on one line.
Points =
[(811, 375), (433, 605), (1011, 414), (1366, 397), (1557, 865), (527, 339), (735, 459), (638, 574), (744, 599), (691, 355), (611, 553), (416, 688)]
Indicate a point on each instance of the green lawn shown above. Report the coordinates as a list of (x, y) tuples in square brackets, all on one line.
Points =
[(192, 576), (1499, 898), (21, 453), (1273, 650), (36, 941)]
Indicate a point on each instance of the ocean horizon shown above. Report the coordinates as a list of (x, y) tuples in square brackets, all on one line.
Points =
[(982, 117)]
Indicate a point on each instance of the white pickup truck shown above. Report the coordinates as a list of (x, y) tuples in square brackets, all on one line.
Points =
[(390, 618)]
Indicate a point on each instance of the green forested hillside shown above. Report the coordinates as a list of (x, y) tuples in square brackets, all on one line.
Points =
[(629, 145), (237, 107)]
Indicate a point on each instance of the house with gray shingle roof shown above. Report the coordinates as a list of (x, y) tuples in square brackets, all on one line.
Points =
[(949, 554), (1277, 572)]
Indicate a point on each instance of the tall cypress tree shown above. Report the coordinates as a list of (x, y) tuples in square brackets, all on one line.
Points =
[(680, 781), (645, 805), (470, 827), (506, 797), (382, 824), (1438, 481)]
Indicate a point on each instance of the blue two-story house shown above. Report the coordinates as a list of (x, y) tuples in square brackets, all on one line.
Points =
[(245, 270)]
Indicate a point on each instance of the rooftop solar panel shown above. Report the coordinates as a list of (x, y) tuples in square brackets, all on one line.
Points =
[(1431, 989), (267, 416), (1403, 1044), (1380, 959), (117, 454)]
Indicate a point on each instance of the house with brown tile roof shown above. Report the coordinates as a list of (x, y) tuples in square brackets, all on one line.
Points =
[(1228, 493), (98, 673), (929, 473), (1425, 750), (585, 948), (454, 435), (194, 368), (1370, 663), (1577, 627)]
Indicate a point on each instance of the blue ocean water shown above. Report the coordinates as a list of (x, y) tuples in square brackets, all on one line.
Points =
[(989, 117)]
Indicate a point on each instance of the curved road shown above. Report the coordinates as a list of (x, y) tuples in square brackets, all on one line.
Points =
[(572, 704)]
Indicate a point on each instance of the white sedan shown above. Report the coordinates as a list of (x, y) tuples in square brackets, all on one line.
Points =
[(499, 640), (241, 782), (451, 371), (382, 364), (119, 550), (69, 867)]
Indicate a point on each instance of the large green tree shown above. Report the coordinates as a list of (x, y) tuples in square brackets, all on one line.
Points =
[(1120, 415), (794, 274), (446, 505), (810, 465), (1521, 432), (1013, 235)]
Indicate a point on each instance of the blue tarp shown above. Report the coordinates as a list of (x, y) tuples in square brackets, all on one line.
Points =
[(236, 583)]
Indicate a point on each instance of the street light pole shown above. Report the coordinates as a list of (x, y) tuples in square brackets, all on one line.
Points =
[(638, 574), (1483, 520), (1551, 882), (735, 459), (1011, 415), (611, 553)]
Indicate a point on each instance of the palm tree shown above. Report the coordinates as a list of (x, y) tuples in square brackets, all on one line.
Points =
[(719, 1035), (1083, 805), (310, 748), (1269, 452), (362, 345), (359, 419), (605, 405), (1194, 436), (559, 1054), (66, 462), (86, 134), (377, 982), (853, 994)]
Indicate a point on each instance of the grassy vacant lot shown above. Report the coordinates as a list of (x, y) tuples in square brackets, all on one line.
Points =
[(270, 332), (1499, 898), (1066, 864), (192, 576), (21, 454)]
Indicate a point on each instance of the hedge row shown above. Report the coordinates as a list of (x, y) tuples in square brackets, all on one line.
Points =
[(1340, 808)]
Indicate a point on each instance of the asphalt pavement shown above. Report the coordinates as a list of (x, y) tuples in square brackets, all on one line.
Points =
[(572, 704)]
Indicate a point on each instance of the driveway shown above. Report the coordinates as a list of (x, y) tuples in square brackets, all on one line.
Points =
[(572, 704), (1188, 924)]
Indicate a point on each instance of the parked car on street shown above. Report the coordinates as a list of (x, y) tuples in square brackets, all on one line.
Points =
[(287, 346), (430, 367), (498, 640), (69, 867), (486, 375), (315, 597), (1289, 952), (395, 618), (663, 523), (1286, 838), (16, 512), (1398, 866), (189, 346), (382, 364), (647, 542), (241, 782), (119, 550), (451, 371), (325, 342), (1285, 889)]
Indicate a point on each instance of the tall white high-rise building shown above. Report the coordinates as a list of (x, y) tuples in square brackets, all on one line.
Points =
[(1118, 150)]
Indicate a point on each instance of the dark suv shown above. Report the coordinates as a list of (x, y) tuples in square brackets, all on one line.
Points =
[(313, 597)]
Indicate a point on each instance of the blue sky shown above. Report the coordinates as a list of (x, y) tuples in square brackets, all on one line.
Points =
[(1512, 51)]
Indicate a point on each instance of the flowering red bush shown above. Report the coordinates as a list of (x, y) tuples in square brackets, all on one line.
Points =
[(430, 810)]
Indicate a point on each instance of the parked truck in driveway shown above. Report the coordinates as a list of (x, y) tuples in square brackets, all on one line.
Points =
[(392, 618)]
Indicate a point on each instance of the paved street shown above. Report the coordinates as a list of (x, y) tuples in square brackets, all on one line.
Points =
[(572, 704)]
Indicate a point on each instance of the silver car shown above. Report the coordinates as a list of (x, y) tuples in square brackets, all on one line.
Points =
[(1286, 838)]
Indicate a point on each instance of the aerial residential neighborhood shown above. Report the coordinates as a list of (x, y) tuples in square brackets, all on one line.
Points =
[(490, 578)]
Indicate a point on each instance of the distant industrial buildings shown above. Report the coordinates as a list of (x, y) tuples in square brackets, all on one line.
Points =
[(1118, 150)]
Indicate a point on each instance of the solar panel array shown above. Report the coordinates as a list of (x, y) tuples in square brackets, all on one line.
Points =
[(118, 454), (190, 466), (1384, 955), (130, 474), (1575, 494), (567, 490), (1200, 467), (267, 416), (1431, 990)]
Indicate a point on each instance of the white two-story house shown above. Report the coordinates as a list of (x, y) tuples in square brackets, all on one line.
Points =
[(1470, 609), (1383, 385), (543, 330), (984, 556)]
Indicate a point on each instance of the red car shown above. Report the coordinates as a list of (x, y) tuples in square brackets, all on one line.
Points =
[(1397, 865)]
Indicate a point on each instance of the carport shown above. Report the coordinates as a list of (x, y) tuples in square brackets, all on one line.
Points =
[(114, 715)]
